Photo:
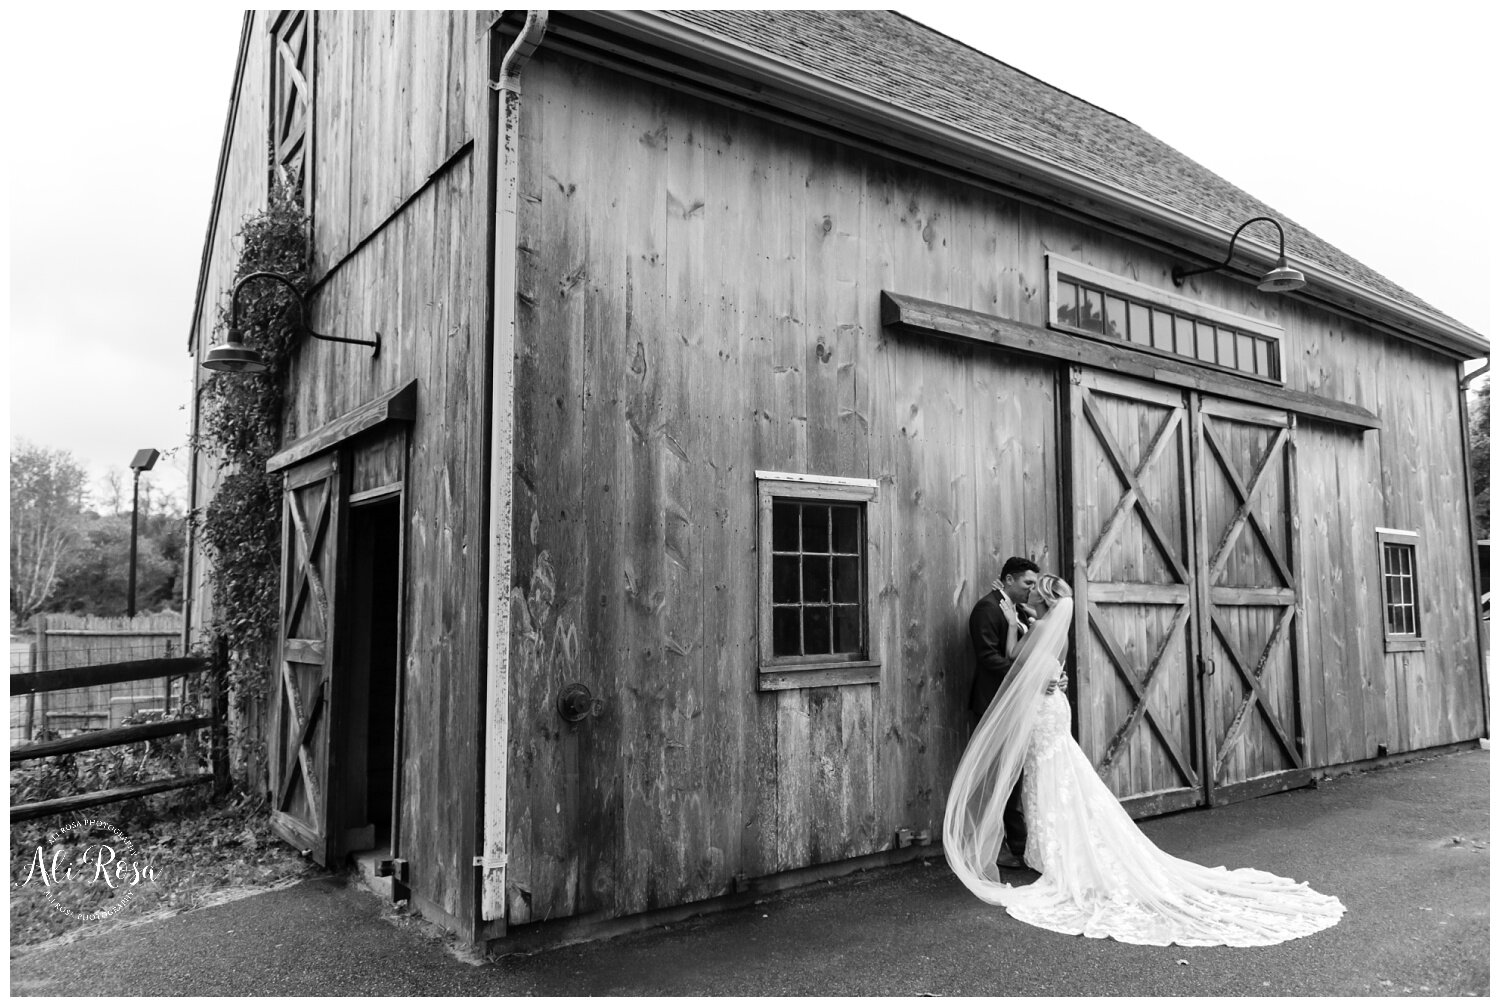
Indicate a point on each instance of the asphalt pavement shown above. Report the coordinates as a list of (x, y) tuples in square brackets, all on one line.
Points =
[(1406, 848)]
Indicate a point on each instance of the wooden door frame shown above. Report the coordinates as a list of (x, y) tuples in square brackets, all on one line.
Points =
[(379, 495), (333, 443), (1209, 560)]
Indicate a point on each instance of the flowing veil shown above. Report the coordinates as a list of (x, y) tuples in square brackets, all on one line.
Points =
[(973, 826), (1100, 875)]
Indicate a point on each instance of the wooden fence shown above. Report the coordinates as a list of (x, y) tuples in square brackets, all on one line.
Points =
[(74, 641), (91, 676)]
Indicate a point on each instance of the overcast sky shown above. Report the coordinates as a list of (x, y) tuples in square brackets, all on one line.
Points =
[(1372, 129)]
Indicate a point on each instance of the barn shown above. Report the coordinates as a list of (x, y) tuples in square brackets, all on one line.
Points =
[(723, 359)]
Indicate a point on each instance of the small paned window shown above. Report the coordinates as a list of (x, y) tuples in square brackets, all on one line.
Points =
[(1090, 302), (1400, 589), (814, 581), (817, 578)]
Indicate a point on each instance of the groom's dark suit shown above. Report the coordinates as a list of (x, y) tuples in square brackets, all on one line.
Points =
[(988, 627)]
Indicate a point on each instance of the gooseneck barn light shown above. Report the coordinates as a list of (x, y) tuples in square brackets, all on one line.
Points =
[(1279, 280), (235, 357)]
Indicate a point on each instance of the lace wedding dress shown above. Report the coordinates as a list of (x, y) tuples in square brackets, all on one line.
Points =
[(1100, 875)]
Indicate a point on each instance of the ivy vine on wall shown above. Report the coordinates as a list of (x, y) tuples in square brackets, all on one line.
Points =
[(240, 422)]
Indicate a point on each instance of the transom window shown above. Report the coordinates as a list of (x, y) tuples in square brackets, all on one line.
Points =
[(1400, 589), (1091, 302), (814, 554)]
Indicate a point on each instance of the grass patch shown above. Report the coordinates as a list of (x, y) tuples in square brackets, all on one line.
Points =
[(199, 853)]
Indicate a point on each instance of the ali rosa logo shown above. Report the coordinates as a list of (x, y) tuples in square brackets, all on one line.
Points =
[(89, 869)]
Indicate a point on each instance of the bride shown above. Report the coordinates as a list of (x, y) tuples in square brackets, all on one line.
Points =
[(1100, 875)]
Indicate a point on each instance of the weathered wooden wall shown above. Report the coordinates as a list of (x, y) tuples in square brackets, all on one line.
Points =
[(699, 299), (699, 296), (399, 93), (398, 239)]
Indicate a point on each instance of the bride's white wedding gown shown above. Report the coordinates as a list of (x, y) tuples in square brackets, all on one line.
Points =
[(1100, 875)]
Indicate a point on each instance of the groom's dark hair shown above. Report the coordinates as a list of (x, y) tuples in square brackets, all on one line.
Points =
[(1016, 566)]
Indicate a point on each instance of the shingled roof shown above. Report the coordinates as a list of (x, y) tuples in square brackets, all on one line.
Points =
[(894, 59)]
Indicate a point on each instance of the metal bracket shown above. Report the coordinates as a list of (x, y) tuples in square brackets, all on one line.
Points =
[(493, 863)]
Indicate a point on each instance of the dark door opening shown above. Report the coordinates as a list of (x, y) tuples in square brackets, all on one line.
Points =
[(371, 656)]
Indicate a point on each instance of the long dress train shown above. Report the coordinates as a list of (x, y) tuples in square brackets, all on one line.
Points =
[(1100, 875)]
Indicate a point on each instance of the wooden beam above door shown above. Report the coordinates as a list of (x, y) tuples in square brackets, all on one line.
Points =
[(918, 316), (400, 404)]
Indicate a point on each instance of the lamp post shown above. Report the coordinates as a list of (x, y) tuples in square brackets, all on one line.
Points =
[(142, 462)]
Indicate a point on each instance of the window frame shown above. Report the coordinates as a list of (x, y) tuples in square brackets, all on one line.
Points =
[(1398, 642), (800, 672), (1060, 267)]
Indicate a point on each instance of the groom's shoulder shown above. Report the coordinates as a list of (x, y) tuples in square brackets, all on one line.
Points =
[(989, 600)]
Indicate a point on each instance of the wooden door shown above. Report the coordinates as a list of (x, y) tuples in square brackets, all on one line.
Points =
[(1133, 576), (312, 528), (1250, 597)]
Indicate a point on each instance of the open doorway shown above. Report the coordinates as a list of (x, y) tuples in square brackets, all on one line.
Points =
[(371, 659)]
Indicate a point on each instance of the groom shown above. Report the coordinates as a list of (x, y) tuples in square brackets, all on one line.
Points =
[(989, 626)]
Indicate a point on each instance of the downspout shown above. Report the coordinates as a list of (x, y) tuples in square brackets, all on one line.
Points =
[(1463, 412), (492, 861)]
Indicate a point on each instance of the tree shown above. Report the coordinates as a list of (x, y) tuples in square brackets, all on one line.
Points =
[(46, 501), (1479, 456), (95, 579), (113, 495)]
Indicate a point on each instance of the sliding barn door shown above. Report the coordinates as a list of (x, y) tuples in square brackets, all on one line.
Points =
[(1250, 570), (312, 530), (1134, 580)]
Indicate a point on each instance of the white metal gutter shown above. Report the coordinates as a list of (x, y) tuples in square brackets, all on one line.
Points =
[(492, 860), (852, 107)]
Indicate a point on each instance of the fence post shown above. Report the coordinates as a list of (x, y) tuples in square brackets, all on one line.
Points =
[(42, 663), (167, 702), (31, 696), (219, 707)]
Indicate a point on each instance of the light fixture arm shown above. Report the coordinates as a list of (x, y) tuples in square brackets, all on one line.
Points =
[(1179, 274), (234, 311)]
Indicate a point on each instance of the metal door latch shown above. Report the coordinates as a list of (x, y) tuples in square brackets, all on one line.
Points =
[(576, 703)]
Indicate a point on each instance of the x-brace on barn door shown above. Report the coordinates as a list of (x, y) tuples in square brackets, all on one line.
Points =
[(1187, 573), (1134, 577), (1250, 583), (312, 539)]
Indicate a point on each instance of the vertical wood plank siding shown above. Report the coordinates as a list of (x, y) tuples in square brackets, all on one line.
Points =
[(700, 298), (399, 112), (701, 301)]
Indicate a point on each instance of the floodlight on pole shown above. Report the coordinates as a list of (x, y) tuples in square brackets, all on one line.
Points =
[(144, 459)]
